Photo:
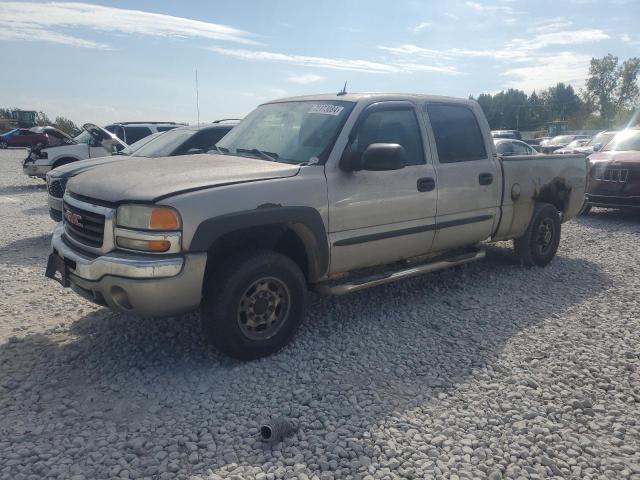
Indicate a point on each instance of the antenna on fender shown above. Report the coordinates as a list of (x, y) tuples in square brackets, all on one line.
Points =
[(344, 90)]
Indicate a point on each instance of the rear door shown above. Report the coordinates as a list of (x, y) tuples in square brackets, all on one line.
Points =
[(377, 217), (468, 176)]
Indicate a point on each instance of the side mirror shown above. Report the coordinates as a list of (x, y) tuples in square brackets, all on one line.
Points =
[(597, 147), (384, 156)]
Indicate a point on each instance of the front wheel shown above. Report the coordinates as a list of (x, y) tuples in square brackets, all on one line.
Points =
[(540, 242), (253, 304), (3, 144)]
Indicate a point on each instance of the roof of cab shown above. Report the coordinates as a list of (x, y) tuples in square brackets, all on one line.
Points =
[(356, 97)]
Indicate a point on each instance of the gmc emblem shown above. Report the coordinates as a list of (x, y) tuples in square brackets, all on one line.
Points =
[(72, 218)]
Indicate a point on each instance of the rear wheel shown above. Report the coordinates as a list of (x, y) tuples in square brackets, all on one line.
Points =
[(540, 242), (3, 144), (253, 304)]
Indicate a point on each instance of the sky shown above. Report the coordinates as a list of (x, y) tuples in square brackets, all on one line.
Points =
[(125, 60)]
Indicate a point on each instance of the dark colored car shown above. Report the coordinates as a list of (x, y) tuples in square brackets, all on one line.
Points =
[(22, 137), (614, 173), (179, 141)]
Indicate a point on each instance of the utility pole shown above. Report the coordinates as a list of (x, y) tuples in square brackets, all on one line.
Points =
[(197, 98)]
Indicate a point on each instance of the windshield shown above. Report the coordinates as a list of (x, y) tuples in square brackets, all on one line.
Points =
[(289, 132), (164, 144), (561, 139), (601, 138), (626, 140), (137, 145), (83, 137)]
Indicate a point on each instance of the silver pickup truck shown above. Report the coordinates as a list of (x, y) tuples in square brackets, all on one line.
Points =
[(333, 193)]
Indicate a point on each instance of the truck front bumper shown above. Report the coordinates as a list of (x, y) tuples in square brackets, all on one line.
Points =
[(144, 285), (36, 168), (608, 201)]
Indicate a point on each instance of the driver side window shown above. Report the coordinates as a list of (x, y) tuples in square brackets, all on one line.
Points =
[(398, 125)]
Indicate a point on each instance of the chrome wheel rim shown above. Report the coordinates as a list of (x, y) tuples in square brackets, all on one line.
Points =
[(264, 308)]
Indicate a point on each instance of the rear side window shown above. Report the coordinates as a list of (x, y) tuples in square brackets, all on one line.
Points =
[(136, 133), (457, 133), (397, 125), (504, 148)]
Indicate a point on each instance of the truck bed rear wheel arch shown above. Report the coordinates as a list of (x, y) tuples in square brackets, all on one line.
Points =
[(304, 223)]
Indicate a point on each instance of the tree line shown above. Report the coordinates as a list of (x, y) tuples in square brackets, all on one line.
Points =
[(609, 99)]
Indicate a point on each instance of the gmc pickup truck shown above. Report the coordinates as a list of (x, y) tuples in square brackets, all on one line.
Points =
[(333, 193)]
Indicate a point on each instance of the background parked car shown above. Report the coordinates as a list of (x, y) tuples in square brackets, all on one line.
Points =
[(92, 142), (131, 132), (179, 141), (559, 142), (597, 143), (515, 134), (613, 180), (580, 142), (22, 137), (507, 147)]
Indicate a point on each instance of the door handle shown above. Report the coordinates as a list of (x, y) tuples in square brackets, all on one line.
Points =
[(426, 184), (485, 178)]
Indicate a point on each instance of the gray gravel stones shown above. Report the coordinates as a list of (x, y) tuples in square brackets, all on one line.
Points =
[(491, 371)]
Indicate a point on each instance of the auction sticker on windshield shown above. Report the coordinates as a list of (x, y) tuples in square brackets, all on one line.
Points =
[(326, 109)]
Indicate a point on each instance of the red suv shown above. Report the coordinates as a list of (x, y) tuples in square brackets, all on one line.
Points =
[(22, 137), (614, 173)]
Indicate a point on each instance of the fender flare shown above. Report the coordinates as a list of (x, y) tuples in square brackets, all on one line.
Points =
[(305, 222)]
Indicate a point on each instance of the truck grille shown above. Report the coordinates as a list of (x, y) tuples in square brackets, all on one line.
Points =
[(56, 187), (83, 226), (611, 174)]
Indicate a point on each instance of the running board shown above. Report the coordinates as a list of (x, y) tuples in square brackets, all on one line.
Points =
[(392, 276)]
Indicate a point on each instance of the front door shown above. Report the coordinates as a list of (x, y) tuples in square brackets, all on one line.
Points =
[(377, 217), (468, 177)]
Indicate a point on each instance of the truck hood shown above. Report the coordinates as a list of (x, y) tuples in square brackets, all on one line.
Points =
[(75, 168), (138, 179), (629, 158)]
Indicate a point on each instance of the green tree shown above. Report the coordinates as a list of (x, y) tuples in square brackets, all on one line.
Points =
[(611, 88), (67, 126), (42, 120)]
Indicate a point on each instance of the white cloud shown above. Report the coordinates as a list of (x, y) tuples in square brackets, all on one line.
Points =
[(41, 21), (490, 9), (548, 70), (630, 40), (305, 79), (334, 63), (421, 26), (516, 50), (550, 25)]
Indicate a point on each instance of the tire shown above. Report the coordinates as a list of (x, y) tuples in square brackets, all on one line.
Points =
[(3, 145), (39, 145), (253, 304), (540, 242)]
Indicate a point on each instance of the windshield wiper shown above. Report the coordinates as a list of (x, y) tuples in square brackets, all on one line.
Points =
[(272, 157), (220, 150)]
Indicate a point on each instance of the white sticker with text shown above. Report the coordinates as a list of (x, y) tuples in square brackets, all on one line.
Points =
[(326, 109)]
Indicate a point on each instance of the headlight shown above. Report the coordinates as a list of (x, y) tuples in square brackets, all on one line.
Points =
[(148, 228), (148, 217)]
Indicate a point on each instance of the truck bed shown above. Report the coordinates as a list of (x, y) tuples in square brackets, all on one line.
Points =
[(556, 179)]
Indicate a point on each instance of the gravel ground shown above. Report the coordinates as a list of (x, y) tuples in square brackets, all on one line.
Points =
[(487, 371)]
